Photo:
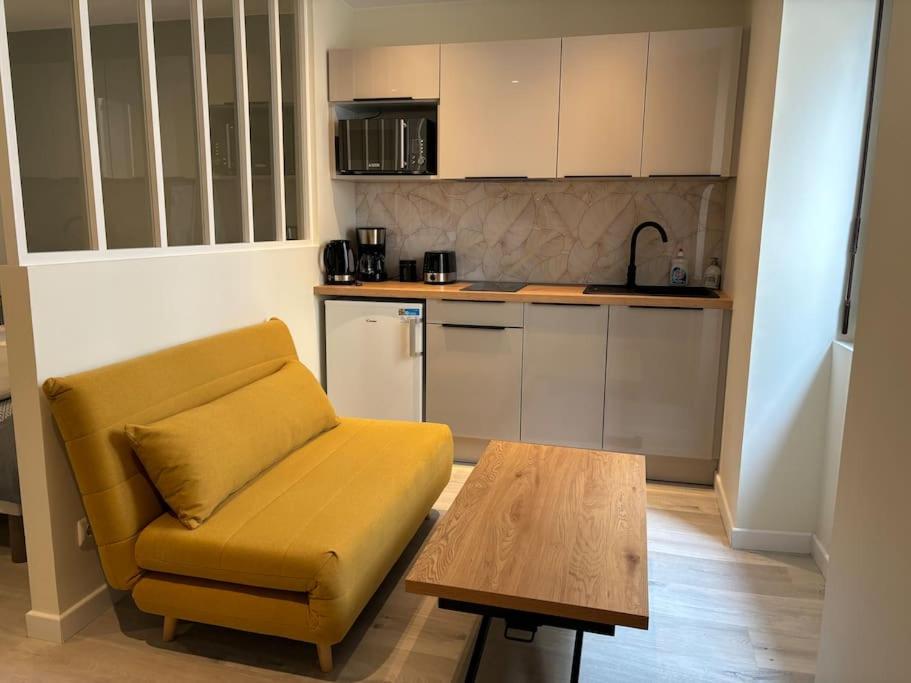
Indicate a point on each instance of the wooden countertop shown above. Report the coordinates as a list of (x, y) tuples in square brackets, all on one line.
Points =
[(549, 294)]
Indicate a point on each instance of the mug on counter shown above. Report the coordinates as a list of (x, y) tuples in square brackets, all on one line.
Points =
[(408, 270)]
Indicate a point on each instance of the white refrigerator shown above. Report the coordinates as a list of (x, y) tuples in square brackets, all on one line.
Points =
[(375, 359)]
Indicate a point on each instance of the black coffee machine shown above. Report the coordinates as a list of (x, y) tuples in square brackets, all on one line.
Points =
[(371, 254), (338, 261)]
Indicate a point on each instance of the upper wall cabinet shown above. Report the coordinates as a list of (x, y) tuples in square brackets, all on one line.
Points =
[(499, 105), (401, 72), (602, 97), (690, 102)]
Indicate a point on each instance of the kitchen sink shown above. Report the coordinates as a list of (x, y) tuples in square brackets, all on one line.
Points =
[(652, 290)]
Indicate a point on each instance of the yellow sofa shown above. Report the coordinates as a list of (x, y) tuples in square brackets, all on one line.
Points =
[(298, 551)]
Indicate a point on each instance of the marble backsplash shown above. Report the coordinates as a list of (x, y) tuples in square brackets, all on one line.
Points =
[(549, 231)]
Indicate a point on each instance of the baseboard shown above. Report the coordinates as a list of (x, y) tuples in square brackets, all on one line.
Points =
[(820, 555), (726, 519), (796, 542), (58, 628)]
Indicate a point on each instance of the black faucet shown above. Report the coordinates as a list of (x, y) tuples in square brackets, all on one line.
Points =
[(631, 270)]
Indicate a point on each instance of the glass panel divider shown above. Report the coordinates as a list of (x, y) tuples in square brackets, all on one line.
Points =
[(204, 142), (306, 190), (13, 216), (278, 140), (85, 92), (153, 129), (244, 172)]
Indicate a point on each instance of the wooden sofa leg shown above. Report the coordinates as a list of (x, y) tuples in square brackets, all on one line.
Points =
[(170, 628), (325, 657)]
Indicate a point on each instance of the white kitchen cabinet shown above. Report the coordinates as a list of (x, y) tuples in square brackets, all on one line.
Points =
[(663, 369), (474, 371), (690, 101), (563, 374), (398, 72), (602, 98), (499, 106)]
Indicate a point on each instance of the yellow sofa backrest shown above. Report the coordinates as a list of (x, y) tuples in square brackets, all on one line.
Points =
[(92, 407)]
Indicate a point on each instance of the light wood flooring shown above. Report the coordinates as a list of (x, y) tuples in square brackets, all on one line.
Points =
[(717, 614)]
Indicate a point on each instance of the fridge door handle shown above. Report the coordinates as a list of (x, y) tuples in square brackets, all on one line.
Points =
[(415, 343)]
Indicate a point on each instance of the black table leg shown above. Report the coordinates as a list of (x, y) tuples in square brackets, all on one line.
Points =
[(577, 657), (478, 650)]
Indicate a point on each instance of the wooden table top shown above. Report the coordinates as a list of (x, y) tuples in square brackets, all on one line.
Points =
[(544, 529), (545, 294)]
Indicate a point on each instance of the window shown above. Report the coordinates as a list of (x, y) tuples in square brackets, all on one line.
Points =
[(157, 123)]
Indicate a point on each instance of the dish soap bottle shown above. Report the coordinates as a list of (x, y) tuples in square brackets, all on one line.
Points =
[(678, 269), (712, 276)]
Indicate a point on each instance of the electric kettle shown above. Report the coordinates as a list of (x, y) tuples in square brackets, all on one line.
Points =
[(338, 262)]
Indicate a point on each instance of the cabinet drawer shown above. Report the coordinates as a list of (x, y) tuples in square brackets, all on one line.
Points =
[(474, 378), (492, 313)]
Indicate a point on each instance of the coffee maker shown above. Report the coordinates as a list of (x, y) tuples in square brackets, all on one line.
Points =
[(371, 254)]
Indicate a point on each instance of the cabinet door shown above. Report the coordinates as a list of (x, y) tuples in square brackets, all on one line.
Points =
[(474, 376), (662, 381), (499, 104), (563, 374), (602, 97), (405, 71), (690, 101)]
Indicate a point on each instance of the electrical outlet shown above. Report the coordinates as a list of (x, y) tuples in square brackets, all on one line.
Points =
[(84, 536)]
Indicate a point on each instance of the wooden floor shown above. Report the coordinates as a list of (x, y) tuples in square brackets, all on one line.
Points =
[(716, 615)]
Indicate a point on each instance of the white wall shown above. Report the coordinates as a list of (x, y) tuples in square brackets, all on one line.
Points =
[(507, 19), (867, 613), (817, 125), (742, 260), (64, 318), (840, 380)]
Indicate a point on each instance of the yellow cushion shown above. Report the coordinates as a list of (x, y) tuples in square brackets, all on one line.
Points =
[(92, 407), (199, 457), (330, 519)]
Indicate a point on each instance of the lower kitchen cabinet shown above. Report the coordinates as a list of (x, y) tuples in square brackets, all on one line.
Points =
[(563, 374), (663, 369), (474, 379)]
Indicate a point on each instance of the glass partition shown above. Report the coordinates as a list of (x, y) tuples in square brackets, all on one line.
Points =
[(121, 124), (259, 83), (291, 141), (48, 127), (184, 195), (226, 186)]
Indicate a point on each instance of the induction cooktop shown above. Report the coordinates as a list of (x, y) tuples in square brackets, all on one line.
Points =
[(493, 287)]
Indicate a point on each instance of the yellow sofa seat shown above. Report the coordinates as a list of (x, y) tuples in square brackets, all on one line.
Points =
[(326, 517)]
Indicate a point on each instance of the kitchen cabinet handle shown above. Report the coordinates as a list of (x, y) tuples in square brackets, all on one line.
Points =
[(496, 177), (671, 308), (600, 175), (547, 303), (402, 131), (684, 175), (475, 327), (381, 99), (472, 301)]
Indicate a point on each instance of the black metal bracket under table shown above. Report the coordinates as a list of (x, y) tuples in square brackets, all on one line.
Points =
[(525, 622)]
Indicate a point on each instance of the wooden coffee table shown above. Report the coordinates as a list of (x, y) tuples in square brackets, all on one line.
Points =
[(542, 536)]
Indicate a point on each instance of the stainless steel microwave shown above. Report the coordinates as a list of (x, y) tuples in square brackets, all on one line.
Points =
[(386, 146)]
